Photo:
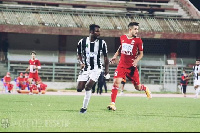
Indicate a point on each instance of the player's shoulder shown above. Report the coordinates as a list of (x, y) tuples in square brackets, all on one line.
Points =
[(123, 36), (138, 38), (100, 39), (82, 39)]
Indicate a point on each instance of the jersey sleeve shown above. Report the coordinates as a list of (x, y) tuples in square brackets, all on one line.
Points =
[(140, 45), (79, 47), (182, 78), (105, 50), (38, 64), (121, 38)]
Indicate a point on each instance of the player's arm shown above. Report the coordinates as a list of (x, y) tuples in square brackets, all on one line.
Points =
[(80, 60), (191, 74), (113, 59), (27, 69), (79, 54), (4, 80), (38, 66), (139, 57), (106, 60)]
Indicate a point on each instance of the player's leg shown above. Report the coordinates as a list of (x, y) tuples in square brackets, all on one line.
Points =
[(184, 90), (115, 88), (118, 75), (30, 79), (82, 79), (93, 88), (105, 86), (133, 76), (30, 87), (122, 88), (88, 92), (93, 77), (9, 87), (197, 88), (37, 82), (98, 87)]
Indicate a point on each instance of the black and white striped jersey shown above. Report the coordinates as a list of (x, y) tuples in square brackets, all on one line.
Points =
[(91, 52), (196, 70)]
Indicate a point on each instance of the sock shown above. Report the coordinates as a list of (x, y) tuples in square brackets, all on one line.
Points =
[(143, 88), (31, 88), (86, 99), (114, 94), (38, 86), (197, 92)]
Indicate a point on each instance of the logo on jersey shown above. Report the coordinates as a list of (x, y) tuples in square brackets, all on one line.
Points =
[(127, 49), (132, 42)]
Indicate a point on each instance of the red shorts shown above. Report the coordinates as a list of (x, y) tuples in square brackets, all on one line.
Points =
[(34, 76), (131, 73)]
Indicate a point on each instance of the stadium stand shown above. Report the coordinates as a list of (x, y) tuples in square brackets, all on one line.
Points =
[(78, 17), (168, 17)]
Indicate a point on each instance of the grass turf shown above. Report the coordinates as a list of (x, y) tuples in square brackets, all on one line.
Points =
[(45, 113)]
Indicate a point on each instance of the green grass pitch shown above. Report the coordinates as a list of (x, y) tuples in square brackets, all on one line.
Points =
[(46, 113)]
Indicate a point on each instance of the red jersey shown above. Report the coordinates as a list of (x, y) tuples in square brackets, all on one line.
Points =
[(21, 80), (184, 81), (33, 64), (26, 80), (7, 79), (129, 50)]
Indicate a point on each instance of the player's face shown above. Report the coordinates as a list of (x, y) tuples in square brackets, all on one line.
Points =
[(133, 31), (197, 62), (33, 56), (95, 33)]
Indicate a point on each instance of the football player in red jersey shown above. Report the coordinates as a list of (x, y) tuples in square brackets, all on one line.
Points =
[(21, 82), (34, 65), (7, 82), (131, 51), (26, 80)]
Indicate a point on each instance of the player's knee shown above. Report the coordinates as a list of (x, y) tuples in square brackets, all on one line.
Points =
[(88, 87), (115, 84), (137, 87), (79, 90)]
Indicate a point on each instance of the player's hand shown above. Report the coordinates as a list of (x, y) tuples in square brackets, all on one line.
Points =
[(195, 87), (113, 60), (107, 76), (191, 74), (134, 62), (82, 65), (26, 69)]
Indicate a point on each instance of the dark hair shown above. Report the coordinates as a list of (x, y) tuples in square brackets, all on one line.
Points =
[(132, 24), (197, 59), (33, 52), (93, 26)]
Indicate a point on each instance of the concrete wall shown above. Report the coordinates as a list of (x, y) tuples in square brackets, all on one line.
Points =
[(128, 87)]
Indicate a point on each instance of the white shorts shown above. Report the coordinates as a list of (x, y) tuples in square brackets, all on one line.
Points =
[(89, 74)]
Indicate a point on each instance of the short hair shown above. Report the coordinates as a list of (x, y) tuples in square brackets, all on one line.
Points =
[(197, 59), (93, 26), (33, 52), (133, 24)]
